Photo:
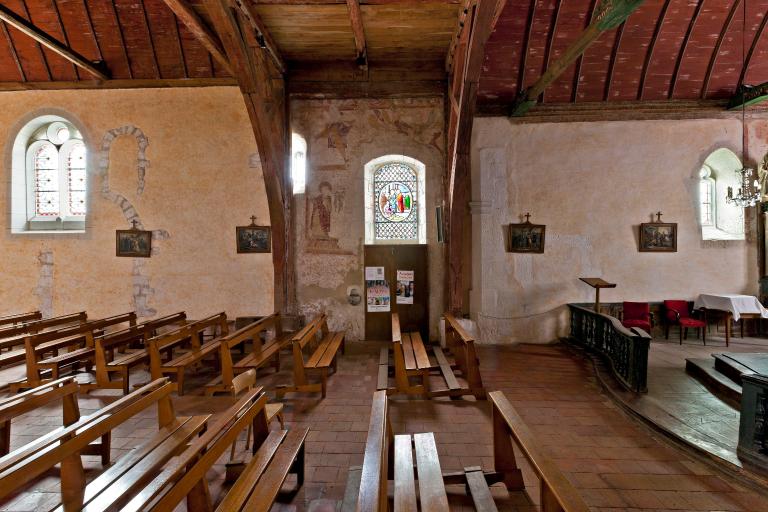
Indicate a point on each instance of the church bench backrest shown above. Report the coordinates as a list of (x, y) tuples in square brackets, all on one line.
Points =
[(186, 474), (217, 322), (308, 334), (249, 332), (377, 460), (463, 346), (557, 493), (21, 318), (41, 325), (63, 446)]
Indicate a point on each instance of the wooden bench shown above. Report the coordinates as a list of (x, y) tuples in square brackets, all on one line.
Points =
[(41, 351), (275, 455), (21, 318), (65, 389), (64, 446), (260, 354), (323, 358), (14, 335), (411, 360), (462, 345), (106, 346), (198, 352)]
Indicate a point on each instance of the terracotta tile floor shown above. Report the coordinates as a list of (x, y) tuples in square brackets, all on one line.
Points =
[(615, 463)]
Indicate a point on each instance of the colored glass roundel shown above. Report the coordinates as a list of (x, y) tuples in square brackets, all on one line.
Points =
[(394, 195)]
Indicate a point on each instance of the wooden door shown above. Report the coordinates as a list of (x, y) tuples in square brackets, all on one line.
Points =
[(412, 316)]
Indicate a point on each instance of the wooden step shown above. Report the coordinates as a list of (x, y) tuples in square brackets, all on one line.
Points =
[(721, 385)]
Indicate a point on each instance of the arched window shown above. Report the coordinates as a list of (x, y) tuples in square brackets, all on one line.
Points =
[(720, 220), (395, 209), (298, 163), (49, 177)]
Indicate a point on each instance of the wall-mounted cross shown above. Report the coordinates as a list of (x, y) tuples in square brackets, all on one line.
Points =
[(527, 217), (658, 216), (253, 220), (135, 224)]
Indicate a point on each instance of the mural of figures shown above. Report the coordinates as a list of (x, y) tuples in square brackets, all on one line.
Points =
[(320, 211)]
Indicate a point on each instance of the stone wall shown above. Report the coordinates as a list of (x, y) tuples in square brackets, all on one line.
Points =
[(342, 136), (179, 162), (592, 184)]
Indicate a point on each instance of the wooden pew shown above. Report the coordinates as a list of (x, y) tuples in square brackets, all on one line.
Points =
[(411, 360), (21, 318), (106, 346), (259, 356), (65, 445), (411, 459), (14, 335), (557, 493), (41, 351), (275, 455), (462, 345), (323, 357), (66, 390), (197, 353)]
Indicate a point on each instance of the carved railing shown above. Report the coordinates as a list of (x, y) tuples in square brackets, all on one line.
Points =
[(625, 350), (753, 425)]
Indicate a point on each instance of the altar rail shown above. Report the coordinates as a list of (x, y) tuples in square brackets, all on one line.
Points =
[(625, 350), (753, 426)]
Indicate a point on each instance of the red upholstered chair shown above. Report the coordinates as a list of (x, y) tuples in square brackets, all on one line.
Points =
[(677, 312), (637, 314)]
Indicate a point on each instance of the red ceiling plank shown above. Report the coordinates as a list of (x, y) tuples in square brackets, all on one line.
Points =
[(30, 52), (75, 18), (595, 66), (10, 65), (635, 41), (729, 39), (65, 37), (151, 38), (608, 83), (550, 39), (649, 53), (43, 16), (526, 49), (182, 57), (575, 16), (683, 47), (577, 75), (698, 51), (109, 34), (137, 42), (756, 69), (537, 46), (167, 42), (200, 64)]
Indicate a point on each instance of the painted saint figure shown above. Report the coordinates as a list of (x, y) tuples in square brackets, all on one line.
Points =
[(322, 204)]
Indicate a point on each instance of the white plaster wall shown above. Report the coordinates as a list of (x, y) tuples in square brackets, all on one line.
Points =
[(592, 184)]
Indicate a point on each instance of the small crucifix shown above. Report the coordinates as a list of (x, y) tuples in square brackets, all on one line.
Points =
[(527, 218), (135, 223), (658, 216), (253, 220)]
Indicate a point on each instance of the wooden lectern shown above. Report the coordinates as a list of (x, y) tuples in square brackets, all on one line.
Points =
[(597, 283)]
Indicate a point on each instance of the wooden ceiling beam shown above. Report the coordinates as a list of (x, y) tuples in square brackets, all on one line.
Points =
[(526, 47), (262, 34), (465, 79), (612, 62), (362, 2), (577, 76), (551, 38), (751, 52), (356, 19), (202, 32), (14, 53), (651, 47), (138, 83), (718, 44), (683, 48), (465, 5), (265, 101), (611, 15)]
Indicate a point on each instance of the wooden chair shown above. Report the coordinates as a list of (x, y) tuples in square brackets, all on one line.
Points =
[(637, 314), (66, 390), (64, 446), (411, 360), (323, 357), (557, 493), (41, 351), (198, 352), (21, 318), (275, 455), (106, 346), (259, 356)]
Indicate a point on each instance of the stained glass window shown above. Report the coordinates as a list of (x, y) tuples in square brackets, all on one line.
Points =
[(76, 179), (46, 168), (395, 191)]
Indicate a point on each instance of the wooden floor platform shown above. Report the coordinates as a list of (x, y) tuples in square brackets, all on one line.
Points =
[(612, 460)]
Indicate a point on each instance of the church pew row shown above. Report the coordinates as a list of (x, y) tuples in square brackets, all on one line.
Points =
[(21, 318), (412, 360), (65, 445), (14, 335), (196, 354), (322, 359), (65, 390), (41, 351), (391, 457), (260, 355)]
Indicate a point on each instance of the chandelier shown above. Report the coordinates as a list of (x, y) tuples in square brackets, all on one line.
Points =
[(749, 192)]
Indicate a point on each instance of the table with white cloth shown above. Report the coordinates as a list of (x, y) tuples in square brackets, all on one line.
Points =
[(734, 307)]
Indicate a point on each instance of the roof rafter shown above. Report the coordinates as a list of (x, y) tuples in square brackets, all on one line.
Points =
[(612, 15), (751, 52), (683, 48), (651, 47), (27, 28), (356, 19), (195, 24), (262, 34), (718, 44)]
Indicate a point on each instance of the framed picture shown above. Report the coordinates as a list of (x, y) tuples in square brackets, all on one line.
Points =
[(526, 238), (254, 238), (658, 237), (133, 243)]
